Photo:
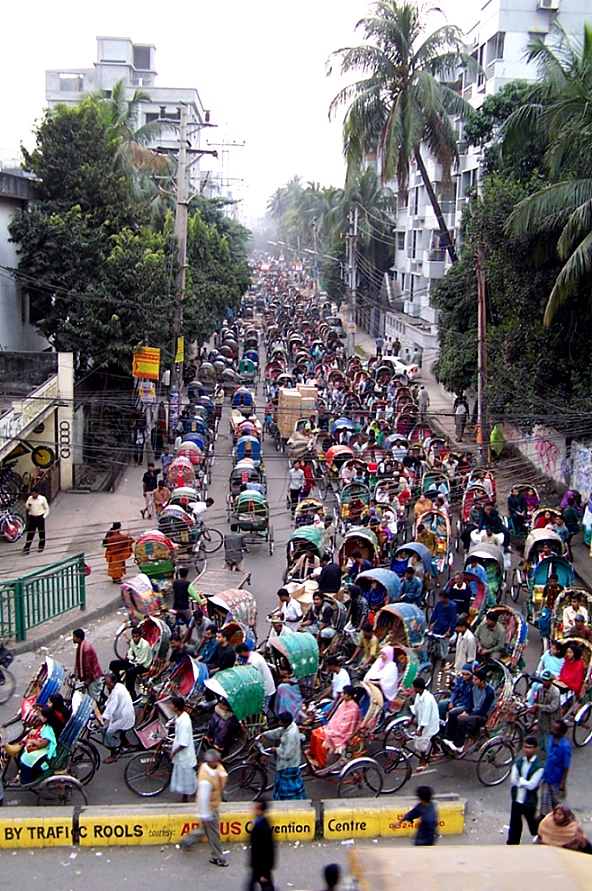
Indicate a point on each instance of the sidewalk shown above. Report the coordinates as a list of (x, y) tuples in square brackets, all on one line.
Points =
[(77, 524)]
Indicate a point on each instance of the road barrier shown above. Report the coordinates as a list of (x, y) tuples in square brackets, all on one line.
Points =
[(159, 824)]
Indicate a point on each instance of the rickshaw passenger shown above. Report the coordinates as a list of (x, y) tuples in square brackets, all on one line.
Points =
[(199, 624), (459, 593), (552, 590), (208, 646), (491, 638), (224, 655), (367, 647), (571, 676), (360, 564), (319, 618), (357, 612), (138, 661), (305, 565), (427, 538), (411, 587), (461, 694), (462, 721), (376, 596), (466, 645), (222, 725), (339, 729), (329, 579), (570, 612), (518, 509), (339, 681), (385, 673), (580, 629), (40, 747)]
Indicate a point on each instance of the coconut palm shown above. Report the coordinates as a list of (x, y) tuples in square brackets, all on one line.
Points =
[(561, 112), (403, 102)]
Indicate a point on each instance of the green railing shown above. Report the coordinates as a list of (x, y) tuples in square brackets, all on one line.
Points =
[(39, 596)]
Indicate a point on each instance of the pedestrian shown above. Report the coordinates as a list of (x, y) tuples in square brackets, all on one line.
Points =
[(262, 850), (211, 782), (379, 346), (37, 512), (561, 830), (460, 418), (526, 777), (396, 346), (556, 769), (183, 592), (546, 707), (87, 668), (149, 484), (183, 780), (423, 403), (165, 459), (160, 497), (332, 875), (117, 718), (288, 784), (295, 484), (118, 549), (234, 548), (427, 719), (425, 812), (138, 442)]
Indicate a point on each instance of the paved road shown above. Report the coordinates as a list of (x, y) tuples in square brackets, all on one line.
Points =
[(488, 808)]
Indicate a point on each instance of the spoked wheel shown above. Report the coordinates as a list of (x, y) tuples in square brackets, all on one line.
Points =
[(122, 641), (396, 769), (236, 746), (7, 685), (516, 585), (522, 685), (61, 791), (212, 540), (201, 560), (582, 728), (495, 762), (148, 773), (246, 782), (13, 526), (362, 778), (397, 733), (271, 541), (83, 765)]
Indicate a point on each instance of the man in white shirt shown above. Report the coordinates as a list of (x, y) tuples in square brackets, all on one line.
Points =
[(257, 661), (466, 645), (199, 508), (117, 718), (183, 780), (340, 678), (526, 777), (290, 610), (37, 510), (427, 718), (570, 612)]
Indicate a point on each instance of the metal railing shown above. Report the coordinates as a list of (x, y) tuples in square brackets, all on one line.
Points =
[(33, 599)]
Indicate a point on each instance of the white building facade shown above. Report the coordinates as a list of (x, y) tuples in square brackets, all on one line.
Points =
[(498, 41)]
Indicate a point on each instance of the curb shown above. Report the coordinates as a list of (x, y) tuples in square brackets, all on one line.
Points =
[(158, 824), (35, 643)]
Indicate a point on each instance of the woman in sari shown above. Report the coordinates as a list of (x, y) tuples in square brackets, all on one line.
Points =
[(118, 550), (334, 736), (39, 748), (561, 830), (385, 673), (572, 671), (422, 505)]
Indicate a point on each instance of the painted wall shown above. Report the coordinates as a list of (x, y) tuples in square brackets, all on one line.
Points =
[(544, 447)]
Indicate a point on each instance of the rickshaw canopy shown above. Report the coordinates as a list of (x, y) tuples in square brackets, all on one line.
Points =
[(559, 565), (415, 547), (536, 538), (389, 580), (242, 687), (484, 551), (241, 605), (411, 620), (301, 651), (308, 536)]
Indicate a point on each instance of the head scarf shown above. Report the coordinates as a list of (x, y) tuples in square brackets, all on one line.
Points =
[(568, 835), (385, 672)]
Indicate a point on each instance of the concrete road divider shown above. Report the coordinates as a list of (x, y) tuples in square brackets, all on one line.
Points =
[(373, 817), (151, 824)]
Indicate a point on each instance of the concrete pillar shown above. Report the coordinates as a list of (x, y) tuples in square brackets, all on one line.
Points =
[(65, 427)]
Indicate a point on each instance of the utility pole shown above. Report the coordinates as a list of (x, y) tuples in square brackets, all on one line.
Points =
[(481, 352), (353, 284), (181, 235)]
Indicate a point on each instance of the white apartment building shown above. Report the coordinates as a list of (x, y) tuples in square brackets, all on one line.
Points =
[(498, 41), (119, 58)]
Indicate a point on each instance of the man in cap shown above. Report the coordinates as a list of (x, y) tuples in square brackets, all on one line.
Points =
[(547, 707)]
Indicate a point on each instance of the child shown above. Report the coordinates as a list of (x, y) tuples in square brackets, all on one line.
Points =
[(425, 812)]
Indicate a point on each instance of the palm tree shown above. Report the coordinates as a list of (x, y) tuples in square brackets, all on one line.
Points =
[(561, 113), (401, 102)]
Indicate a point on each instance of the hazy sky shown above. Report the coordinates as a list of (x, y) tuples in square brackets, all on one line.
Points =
[(259, 66)]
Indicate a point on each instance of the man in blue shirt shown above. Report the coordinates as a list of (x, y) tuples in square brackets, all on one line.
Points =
[(359, 565), (443, 618), (462, 694), (411, 587), (463, 721), (552, 788)]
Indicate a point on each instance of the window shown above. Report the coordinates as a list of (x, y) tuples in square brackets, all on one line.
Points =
[(151, 116), (400, 241), (142, 58), (495, 47)]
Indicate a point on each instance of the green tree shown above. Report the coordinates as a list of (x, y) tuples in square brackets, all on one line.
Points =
[(561, 109), (402, 102)]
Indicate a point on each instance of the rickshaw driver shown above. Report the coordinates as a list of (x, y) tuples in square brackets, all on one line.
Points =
[(319, 618), (491, 638)]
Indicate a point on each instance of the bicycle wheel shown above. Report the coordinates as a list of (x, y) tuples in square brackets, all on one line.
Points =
[(522, 685), (83, 764), (362, 778), (123, 639), (321, 486), (246, 782), (148, 773), (397, 733), (582, 728), (212, 540), (396, 769), (7, 685), (516, 585), (13, 526), (495, 762), (61, 791)]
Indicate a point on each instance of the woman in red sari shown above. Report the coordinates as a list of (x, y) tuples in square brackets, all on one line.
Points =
[(338, 731), (572, 671)]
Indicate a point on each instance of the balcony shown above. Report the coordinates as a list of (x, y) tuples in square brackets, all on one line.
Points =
[(434, 262)]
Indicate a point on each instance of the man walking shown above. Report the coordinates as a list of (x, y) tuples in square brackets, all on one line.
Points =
[(149, 484), (556, 768), (423, 403), (427, 718), (37, 511), (295, 484), (262, 850), (234, 548), (461, 412), (87, 668), (526, 777), (211, 781)]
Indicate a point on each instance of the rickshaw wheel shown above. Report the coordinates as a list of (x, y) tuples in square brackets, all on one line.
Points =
[(516, 585), (271, 541), (122, 641), (148, 773), (582, 728), (362, 778), (7, 688), (83, 764), (245, 782), (212, 540), (495, 762), (201, 561), (61, 791), (396, 769)]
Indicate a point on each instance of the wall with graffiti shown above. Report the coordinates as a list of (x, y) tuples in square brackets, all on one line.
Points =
[(545, 448), (581, 468)]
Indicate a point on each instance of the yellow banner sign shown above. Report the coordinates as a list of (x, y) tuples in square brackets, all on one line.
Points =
[(146, 363), (180, 354)]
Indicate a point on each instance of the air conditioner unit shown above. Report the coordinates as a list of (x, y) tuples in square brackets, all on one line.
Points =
[(548, 4)]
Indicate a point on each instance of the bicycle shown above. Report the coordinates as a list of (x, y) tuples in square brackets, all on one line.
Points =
[(210, 540), (148, 773), (12, 524)]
